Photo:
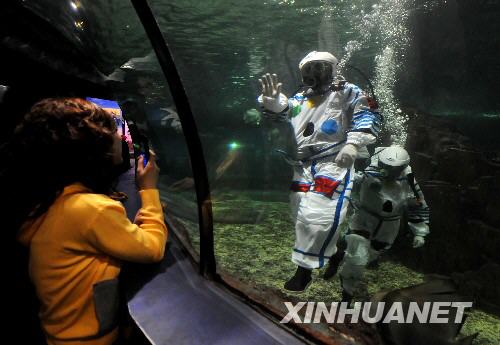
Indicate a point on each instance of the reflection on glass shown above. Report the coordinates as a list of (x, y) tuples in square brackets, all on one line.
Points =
[(153, 116), (122, 51), (419, 58)]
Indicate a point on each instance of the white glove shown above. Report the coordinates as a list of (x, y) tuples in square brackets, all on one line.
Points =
[(347, 156), (272, 99), (418, 241)]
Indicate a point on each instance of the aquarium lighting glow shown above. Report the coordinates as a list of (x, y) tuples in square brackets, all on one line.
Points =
[(233, 145), (426, 312)]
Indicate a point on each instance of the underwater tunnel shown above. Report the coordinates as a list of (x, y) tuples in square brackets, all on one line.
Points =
[(181, 77)]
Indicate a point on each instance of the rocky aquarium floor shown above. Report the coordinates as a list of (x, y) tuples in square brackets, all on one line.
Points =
[(253, 241)]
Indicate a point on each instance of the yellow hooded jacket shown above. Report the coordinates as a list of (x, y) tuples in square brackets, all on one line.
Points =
[(75, 250)]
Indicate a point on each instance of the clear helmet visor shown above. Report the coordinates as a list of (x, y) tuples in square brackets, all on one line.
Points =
[(317, 74), (391, 172)]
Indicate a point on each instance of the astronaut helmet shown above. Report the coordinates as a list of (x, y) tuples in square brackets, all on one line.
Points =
[(393, 160), (318, 69)]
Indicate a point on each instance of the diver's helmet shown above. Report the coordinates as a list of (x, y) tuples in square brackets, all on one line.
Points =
[(393, 160), (318, 69)]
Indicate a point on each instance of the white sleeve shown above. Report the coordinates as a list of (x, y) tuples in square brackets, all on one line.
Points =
[(273, 105), (360, 138)]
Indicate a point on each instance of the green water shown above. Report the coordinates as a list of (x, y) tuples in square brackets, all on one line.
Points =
[(431, 62), (430, 58)]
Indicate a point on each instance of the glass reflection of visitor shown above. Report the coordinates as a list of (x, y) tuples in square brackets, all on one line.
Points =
[(113, 108), (332, 121)]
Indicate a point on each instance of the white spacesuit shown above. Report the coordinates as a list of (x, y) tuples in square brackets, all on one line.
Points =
[(383, 192), (331, 122)]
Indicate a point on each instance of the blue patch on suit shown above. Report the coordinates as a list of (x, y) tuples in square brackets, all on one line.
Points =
[(329, 126)]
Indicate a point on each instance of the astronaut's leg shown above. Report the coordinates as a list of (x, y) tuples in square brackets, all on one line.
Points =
[(320, 212), (335, 260), (301, 183), (382, 241), (354, 263), (376, 249)]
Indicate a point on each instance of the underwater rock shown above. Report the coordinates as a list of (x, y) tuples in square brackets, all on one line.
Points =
[(482, 285), (496, 180), (436, 289), (457, 166), (486, 237), (427, 164), (461, 184), (492, 209)]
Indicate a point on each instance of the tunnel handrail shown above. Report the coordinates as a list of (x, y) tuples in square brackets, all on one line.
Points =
[(198, 164)]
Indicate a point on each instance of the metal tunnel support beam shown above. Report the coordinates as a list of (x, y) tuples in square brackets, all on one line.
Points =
[(198, 164)]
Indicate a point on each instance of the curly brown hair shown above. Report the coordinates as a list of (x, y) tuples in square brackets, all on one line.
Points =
[(60, 141)]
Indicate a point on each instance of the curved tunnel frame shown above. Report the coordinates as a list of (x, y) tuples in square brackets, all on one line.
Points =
[(195, 149)]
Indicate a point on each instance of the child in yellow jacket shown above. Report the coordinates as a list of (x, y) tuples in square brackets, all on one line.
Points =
[(77, 235)]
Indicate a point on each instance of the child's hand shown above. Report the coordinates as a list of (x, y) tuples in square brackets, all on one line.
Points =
[(147, 177)]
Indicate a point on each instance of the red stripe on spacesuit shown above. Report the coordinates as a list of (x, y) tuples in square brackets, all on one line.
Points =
[(300, 187), (325, 186)]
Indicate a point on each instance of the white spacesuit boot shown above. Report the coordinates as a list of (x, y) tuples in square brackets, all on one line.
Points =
[(354, 263)]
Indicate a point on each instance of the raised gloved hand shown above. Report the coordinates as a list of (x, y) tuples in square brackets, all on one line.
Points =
[(418, 241), (272, 99), (347, 156)]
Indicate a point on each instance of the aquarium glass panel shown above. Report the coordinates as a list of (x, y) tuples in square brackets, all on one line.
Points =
[(111, 35), (432, 67)]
